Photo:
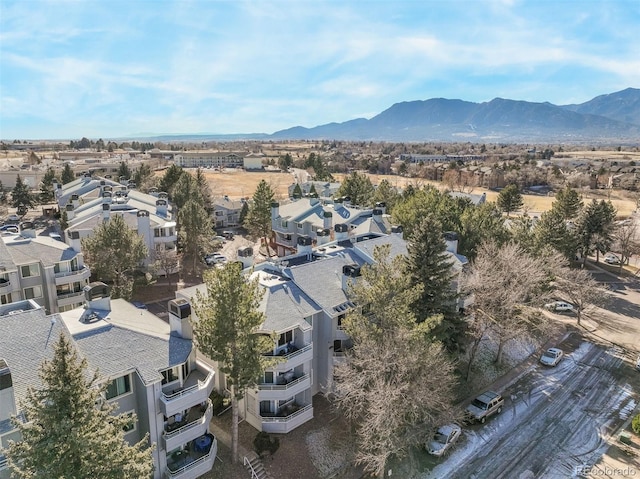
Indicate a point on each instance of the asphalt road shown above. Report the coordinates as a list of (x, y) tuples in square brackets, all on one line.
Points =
[(555, 420)]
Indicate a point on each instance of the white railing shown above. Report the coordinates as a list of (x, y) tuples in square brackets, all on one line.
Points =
[(191, 425), (283, 387), (62, 274), (70, 295), (247, 462), (292, 355), (286, 418), (200, 385), (194, 464)]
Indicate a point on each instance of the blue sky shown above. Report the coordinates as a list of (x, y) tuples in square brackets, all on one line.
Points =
[(115, 68)]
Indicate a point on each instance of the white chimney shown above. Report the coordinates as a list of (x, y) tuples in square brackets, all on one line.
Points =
[(27, 230), (180, 318), (349, 274), (161, 207), (323, 237), (275, 211), (342, 232), (70, 211), (74, 240), (381, 205), (304, 244), (451, 239), (97, 296), (327, 220), (245, 256), (106, 211)]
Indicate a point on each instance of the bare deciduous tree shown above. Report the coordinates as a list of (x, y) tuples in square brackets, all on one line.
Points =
[(580, 289), (626, 241)]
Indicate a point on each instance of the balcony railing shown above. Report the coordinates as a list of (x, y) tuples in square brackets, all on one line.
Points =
[(197, 427), (193, 464), (183, 398), (62, 274), (283, 387), (284, 424), (4, 284), (70, 295), (297, 352)]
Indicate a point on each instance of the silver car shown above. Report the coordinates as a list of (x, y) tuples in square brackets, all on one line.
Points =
[(484, 406), (444, 438), (551, 357)]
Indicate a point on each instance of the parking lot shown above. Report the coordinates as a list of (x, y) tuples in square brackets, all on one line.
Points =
[(556, 421)]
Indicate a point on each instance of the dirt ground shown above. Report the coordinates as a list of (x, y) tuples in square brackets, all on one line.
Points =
[(241, 184)]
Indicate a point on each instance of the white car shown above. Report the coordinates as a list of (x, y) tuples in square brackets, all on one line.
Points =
[(443, 439), (551, 357), (611, 259), (559, 307), (215, 258)]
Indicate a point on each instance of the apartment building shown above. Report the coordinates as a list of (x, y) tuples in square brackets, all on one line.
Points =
[(226, 212), (42, 269), (208, 159), (89, 201), (309, 222), (150, 370), (324, 189)]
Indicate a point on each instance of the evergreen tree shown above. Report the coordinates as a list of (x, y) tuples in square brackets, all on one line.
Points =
[(510, 199), (142, 175), (67, 174), (244, 211), (46, 186), (228, 317), (285, 162), (124, 170), (387, 194), (552, 230), (596, 228), (195, 230), (312, 191), (258, 220), (113, 252), (3, 194), (479, 224), (170, 178), (71, 431), (21, 194), (297, 192), (205, 190), (568, 203), (429, 266), (359, 188), (186, 189)]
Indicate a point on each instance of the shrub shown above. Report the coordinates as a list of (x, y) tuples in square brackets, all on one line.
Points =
[(263, 442), (635, 424), (217, 400)]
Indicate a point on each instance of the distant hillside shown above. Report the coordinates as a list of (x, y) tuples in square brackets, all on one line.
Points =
[(622, 106), (440, 119)]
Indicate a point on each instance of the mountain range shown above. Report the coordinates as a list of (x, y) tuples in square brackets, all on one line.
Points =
[(611, 117), (614, 117)]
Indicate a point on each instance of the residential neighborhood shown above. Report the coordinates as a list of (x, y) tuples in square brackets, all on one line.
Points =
[(446, 254)]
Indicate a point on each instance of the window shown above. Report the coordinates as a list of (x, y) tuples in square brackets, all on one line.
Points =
[(340, 319), (300, 226), (5, 298), (219, 213), (285, 338), (170, 375), (33, 293), (118, 387), (268, 377), (131, 425), (285, 223), (30, 270)]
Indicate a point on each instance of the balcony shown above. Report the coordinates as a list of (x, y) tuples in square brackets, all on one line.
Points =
[(196, 390), (78, 275), (268, 392), (293, 358), (70, 298), (5, 284), (194, 425), (288, 419), (192, 462)]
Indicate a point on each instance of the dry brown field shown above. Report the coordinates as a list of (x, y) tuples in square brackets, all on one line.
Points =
[(241, 184)]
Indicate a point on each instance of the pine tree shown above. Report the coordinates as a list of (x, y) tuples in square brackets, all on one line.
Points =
[(359, 188), (71, 431), (124, 170), (46, 185), (113, 252), (429, 266), (386, 194), (297, 192), (169, 179), (552, 230), (258, 220), (195, 230), (510, 199), (228, 317), (67, 174), (21, 194), (568, 203)]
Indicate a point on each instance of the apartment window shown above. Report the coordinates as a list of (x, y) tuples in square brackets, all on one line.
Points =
[(285, 223), (30, 270), (170, 375), (5, 298), (268, 377), (118, 387), (33, 293), (300, 226), (219, 213), (156, 233), (131, 425), (285, 338)]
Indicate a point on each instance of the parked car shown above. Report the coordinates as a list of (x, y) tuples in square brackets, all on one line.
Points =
[(10, 228), (559, 307), (485, 406), (220, 239), (551, 357), (611, 258), (12, 219), (228, 235), (444, 438), (214, 258)]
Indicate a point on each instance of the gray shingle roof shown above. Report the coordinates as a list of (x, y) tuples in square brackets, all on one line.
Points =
[(41, 248)]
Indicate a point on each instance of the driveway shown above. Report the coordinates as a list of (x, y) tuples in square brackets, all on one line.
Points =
[(555, 422)]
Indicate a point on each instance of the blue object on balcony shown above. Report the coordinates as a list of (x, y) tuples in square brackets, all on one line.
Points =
[(203, 443)]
